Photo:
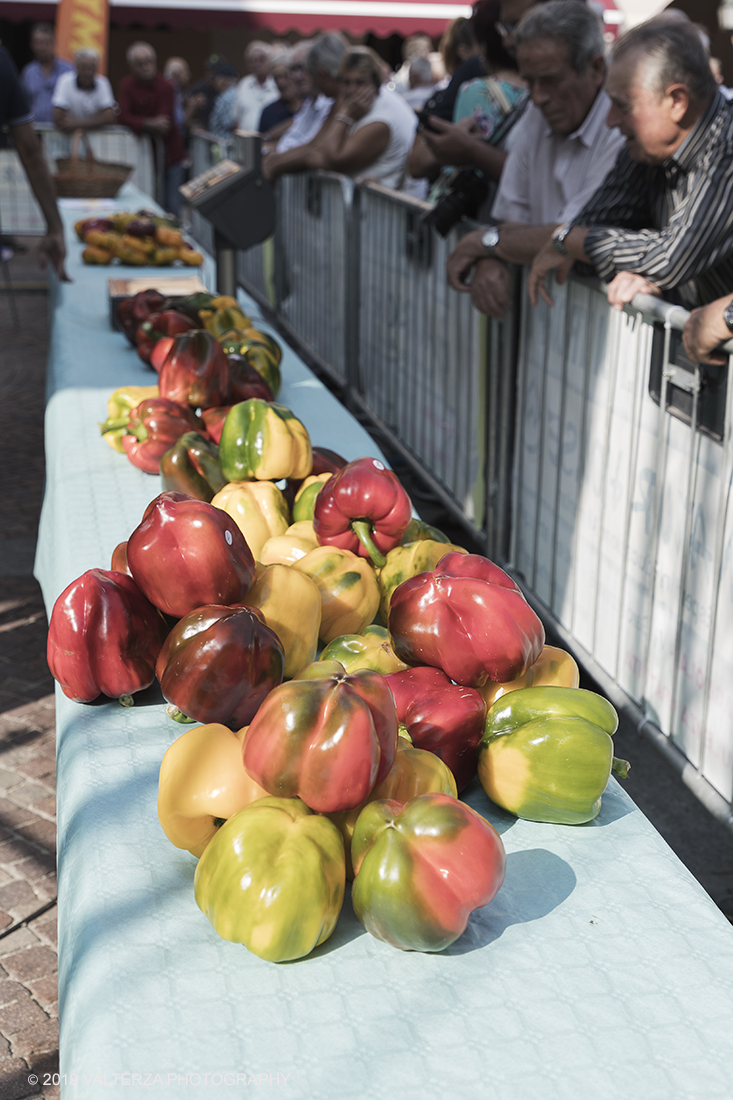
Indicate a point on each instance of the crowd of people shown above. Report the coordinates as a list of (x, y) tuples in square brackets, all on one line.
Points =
[(620, 163)]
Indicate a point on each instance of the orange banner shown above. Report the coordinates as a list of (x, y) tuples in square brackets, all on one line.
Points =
[(82, 24)]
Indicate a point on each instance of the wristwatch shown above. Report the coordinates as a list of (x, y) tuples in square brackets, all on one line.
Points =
[(490, 239), (728, 315), (558, 238)]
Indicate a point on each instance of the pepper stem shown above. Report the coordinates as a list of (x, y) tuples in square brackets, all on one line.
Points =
[(114, 424), (620, 768), (362, 528), (178, 715), (126, 701)]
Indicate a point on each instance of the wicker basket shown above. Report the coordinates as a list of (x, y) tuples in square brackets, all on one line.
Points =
[(89, 178)]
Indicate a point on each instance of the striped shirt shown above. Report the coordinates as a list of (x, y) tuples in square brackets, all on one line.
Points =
[(672, 222)]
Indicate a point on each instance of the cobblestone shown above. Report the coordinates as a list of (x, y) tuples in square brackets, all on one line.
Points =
[(28, 954)]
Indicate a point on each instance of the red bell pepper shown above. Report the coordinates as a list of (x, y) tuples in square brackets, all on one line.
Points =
[(214, 421), (327, 462), (421, 868), (467, 617), (246, 382), (440, 716), (159, 353), (328, 738), (185, 554), (153, 428), (362, 508), (195, 371), (104, 637), (219, 663), (154, 328), (119, 559), (131, 312)]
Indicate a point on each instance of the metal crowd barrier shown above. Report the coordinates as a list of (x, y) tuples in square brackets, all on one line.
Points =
[(593, 460), (429, 368), (621, 527), (19, 211)]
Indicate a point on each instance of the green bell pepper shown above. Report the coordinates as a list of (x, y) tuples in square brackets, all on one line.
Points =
[(547, 753), (273, 878), (264, 441)]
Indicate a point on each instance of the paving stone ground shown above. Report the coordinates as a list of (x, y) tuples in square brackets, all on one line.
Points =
[(28, 958)]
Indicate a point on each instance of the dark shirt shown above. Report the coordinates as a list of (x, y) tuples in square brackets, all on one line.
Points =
[(140, 100), (443, 102), (273, 114), (14, 107), (203, 114), (40, 88), (672, 222)]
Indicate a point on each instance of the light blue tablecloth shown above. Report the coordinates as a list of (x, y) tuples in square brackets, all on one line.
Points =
[(600, 969)]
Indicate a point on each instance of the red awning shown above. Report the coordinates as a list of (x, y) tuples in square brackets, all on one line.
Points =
[(381, 17)]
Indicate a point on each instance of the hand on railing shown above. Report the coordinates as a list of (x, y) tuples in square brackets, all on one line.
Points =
[(626, 286), (705, 332)]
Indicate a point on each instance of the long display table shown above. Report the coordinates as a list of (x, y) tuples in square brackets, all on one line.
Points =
[(600, 969)]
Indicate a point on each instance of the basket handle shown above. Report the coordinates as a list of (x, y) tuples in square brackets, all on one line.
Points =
[(81, 135)]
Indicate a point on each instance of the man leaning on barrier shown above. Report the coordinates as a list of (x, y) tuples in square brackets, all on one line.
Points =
[(84, 99), (663, 218), (561, 153)]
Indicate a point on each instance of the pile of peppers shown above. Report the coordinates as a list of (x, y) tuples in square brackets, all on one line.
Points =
[(344, 670)]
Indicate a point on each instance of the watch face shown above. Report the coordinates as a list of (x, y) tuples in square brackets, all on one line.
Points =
[(490, 238)]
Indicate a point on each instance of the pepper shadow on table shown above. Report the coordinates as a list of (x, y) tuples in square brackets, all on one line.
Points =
[(536, 882)]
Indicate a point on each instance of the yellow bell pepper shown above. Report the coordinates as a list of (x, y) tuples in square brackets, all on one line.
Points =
[(225, 319), (224, 301), (414, 772), (258, 508), (119, 406), (298, 540), (291, 604), (203, 782), (553, 668), (264, 440), (407, 561), (370, 649), (348, 587)]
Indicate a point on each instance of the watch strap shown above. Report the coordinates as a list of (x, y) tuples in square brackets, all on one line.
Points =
[(558, 238)]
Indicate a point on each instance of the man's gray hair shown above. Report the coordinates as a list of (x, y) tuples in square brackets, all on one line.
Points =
[(327, 53), (672, 53), (568, 21), (135, 49), (86, 53)]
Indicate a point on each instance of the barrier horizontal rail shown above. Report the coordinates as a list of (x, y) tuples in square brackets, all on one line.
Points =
[(621, 528)]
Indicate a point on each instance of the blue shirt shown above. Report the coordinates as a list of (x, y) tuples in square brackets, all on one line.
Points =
[(222, 119), (39, 87)]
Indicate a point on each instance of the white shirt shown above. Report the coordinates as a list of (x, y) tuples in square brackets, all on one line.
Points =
[(252, 97), (418, 97), (79, 102), (306, 123), (389, 168), (547, 177)]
